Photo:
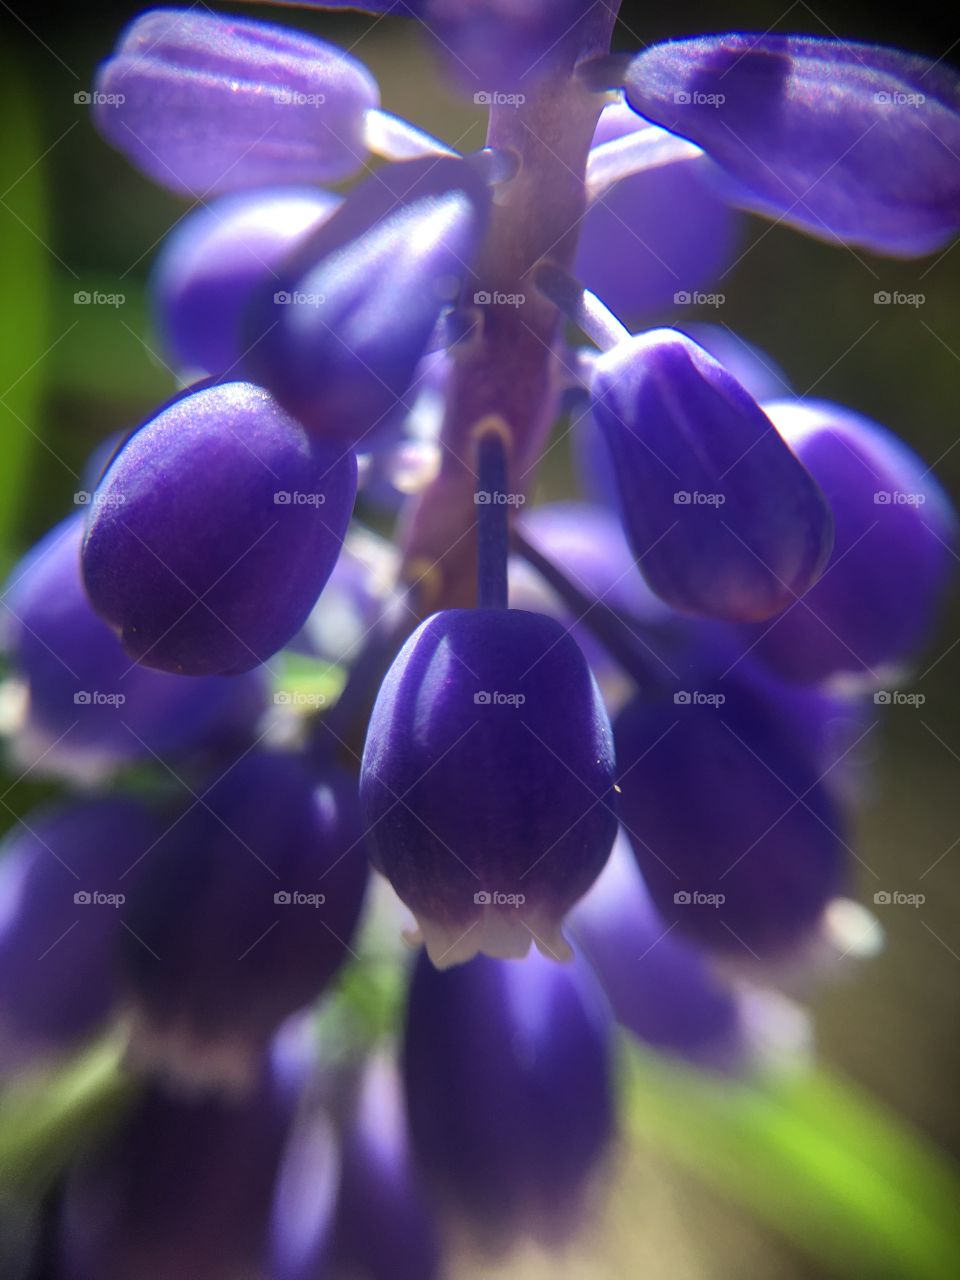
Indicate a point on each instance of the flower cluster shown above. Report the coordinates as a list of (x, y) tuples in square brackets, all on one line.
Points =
[(568, 736)]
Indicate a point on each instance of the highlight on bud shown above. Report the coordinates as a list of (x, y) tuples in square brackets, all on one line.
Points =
[(213, 103), (198, 568), (487, 782), (723, 519)]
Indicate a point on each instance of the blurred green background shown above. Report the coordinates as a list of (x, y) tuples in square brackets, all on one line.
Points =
[(74, 216)]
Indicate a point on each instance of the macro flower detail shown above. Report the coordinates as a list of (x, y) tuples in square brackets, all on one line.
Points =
[(846, 141), (487, 792), (195, 596), (723, 519), (439, 740), (204, 103)]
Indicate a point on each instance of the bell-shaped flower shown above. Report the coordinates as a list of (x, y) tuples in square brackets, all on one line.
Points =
[(487, 782)]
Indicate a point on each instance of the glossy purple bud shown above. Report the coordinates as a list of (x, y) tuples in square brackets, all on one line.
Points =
[(487, 782), (874, 607), (214, 262), (663, 989), (740, 842), (509, 1091), (202, 102), (381, 1185), (338, 337), (66, 875), (183, 1187), (246, 910), (723, 519), (846, 141), (88, 708), (657, 237), (214, 530)]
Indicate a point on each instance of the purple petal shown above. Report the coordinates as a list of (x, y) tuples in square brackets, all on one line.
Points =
[(338, 337), (507, 1069), (656, 238), (723, 519), (846, 141), (213, 264), (214, 530), (201, 103), (875, 605), (506, 784)]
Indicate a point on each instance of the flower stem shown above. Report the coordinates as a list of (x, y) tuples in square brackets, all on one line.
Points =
[(491, 499), (580, 305)]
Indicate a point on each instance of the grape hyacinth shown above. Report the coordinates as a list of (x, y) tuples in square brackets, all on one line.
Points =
[(605, 751)]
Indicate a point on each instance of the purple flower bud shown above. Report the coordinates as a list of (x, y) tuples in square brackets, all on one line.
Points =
[(246, 910), (740, 842), (487, 782), (88, 708), (723, 519), (338, 337), (657, 237), (214, 530), (64, 882), (874, 606), (202, 102), (850, 142), (663, 989), (302, 1221), (184, 1187), (380, 1185), (508, 1077), (214, 262)]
